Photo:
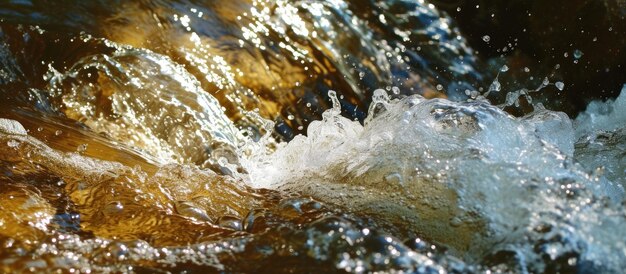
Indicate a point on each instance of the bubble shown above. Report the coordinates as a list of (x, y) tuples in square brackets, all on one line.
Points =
[(439, 87), (230, 222), (394, 178), (58, 132), (81, 148), (504, 68), (486, 38), (191, 210)]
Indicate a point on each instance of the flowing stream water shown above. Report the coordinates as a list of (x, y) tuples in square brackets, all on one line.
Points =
[(293, 136)]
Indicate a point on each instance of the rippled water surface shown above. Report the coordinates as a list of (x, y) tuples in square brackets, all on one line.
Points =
[(311, 136)]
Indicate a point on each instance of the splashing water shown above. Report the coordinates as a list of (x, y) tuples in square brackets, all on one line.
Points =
[(165, 138), (497, 179)]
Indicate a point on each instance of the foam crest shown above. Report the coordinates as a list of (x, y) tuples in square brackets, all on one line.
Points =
[(494, 177)]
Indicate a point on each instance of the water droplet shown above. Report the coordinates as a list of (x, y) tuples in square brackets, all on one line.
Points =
[(578, 54), (526, 69), (495, 86), (439, 87), (58, 132), (333, 97), (361, 75), (395, 90), (486, 38), (504, 68), (559, 85), (290, 117)]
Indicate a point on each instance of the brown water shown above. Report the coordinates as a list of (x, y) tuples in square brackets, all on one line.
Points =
[(151, 136)]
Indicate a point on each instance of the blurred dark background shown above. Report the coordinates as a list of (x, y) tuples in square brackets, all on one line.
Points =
[(585, 39)]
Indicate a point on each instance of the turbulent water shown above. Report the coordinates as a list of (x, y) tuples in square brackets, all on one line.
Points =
[(293, 136)]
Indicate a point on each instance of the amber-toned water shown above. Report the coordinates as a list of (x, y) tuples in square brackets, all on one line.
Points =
[(164, 136)]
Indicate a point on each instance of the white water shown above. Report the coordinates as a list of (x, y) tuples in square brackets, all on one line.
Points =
[(601, 134), (467, 175)]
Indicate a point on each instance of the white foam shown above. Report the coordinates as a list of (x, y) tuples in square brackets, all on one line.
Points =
[(417, 163), (606, 116)]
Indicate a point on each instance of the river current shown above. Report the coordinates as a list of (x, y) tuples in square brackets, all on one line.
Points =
[(297, 137)]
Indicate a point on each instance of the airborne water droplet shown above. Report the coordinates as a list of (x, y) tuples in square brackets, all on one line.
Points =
[(486, 38), (559, 85), (395, 90), (578, 54), (504, 68), (495, 86)]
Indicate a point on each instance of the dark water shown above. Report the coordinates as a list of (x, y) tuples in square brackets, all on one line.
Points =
[(163, 136)]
